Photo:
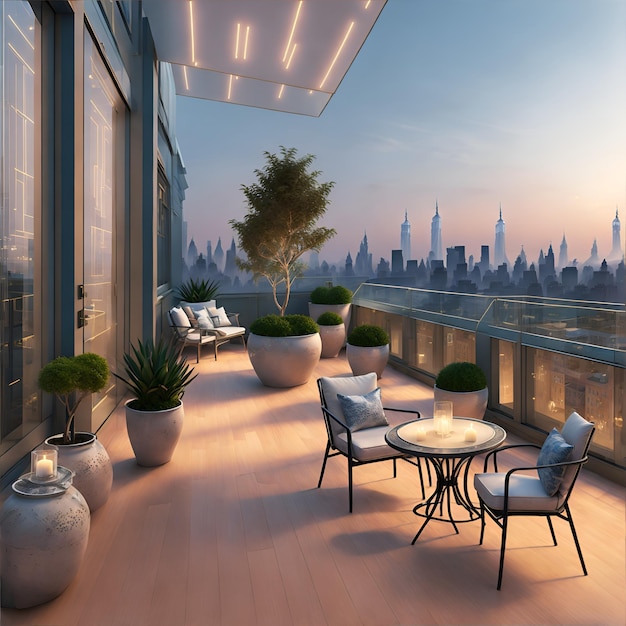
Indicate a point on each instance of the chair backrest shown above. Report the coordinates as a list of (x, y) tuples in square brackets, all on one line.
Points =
[(347, 386), (179, 320), (577, 431)]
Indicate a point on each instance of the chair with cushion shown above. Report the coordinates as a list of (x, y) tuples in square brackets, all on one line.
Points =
[(356, 424), (545, 492), (218, 323), (187, 335)]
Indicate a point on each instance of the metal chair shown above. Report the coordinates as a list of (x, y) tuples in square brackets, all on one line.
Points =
[(363, 446), (543, 493)]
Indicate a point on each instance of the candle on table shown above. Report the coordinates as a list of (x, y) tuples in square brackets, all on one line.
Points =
[(470, 433), (44, 468), (420, 433)]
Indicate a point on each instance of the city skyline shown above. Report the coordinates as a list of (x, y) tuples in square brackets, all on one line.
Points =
[(473, 106)]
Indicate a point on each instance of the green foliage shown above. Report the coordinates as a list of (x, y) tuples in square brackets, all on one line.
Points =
[(156, 375), (461, 376), (331, 295), (86, 373), (328, 318), (369, 336), (198, 290), (287, 326), (279, 227)]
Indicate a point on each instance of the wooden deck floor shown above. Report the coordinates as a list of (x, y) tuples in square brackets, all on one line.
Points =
[(233, 531)]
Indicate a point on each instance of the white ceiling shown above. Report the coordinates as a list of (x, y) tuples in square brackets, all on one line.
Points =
[(287, 55)]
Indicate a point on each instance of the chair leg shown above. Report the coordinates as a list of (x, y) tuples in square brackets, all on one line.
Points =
[(580, 552), (319, 482), (395, 468), (198, 354), (482, 523), (502, 547), (350, 481), (551, 529)]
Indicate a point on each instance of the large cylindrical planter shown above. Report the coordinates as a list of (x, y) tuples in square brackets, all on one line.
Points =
[(366, 359), (90, 462), (465, 404), (42, 543), (154, 434), (343, 310), (333, 338), (284, 361)]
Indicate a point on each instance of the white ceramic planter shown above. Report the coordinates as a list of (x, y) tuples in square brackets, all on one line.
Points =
[(333, 338), (284, 361), (465, 404), (90, 462), (154, 434), (343, 310), (364, 360), (42, 544)]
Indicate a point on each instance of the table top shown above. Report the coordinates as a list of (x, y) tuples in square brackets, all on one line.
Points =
[(418, 437)]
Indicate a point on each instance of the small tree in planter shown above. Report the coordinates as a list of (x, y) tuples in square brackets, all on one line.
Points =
[(283, 208), (71, 380), (284, 350), (332, 333), (368, 349), (465, 385)]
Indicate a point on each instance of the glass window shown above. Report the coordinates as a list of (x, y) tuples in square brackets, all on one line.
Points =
[(20, 205), (505, 372), (458, 345), (163, 231)]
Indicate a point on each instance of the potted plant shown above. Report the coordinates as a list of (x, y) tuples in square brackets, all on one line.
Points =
[(157, 376), (465, 385), (280, 226), (335, 298), (71, 380), (368, 349), (332, 333), (284, 350), (197, 294)]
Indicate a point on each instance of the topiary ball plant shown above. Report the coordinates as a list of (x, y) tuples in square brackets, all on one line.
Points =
[(368, 335), (287, 326), (329, 319), (461, 376), (331, 295)]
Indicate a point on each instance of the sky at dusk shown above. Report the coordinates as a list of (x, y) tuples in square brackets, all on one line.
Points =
[(469, 103)]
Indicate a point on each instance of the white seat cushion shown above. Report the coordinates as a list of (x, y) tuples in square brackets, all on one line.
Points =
[(368, 444), (526, 493), (230, 331)]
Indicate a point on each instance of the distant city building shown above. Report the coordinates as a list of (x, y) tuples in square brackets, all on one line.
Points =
[(617, 252), (563, 258), (405, 238), (397, 262), (314, 261), (192, 254), (230, 266), (436, 247), (349, 270), (209, 252), (499, 253), (218, 255), (363, 265), (593, 260)]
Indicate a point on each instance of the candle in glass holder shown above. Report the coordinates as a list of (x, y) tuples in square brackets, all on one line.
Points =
[(442, 417), (43, 465), (420, 433), (470, 433)]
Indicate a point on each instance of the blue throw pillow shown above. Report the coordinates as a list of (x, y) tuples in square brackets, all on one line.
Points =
[(554, 450), (363, 411)]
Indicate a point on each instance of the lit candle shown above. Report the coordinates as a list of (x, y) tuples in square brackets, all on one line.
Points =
[(420, 433), (470, 433), (44, 468)]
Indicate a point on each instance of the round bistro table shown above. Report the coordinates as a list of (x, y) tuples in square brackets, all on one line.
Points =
[(450, 455)]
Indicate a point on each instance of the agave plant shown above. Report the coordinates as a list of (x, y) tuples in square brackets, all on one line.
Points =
[(198, 290), (156, 375)]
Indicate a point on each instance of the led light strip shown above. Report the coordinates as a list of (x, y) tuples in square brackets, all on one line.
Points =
[(343, 43), (288, 47), (186, 77), (245, 43), (191, 28)]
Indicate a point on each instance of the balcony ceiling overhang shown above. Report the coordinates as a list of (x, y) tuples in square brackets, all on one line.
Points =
[(286, 55)]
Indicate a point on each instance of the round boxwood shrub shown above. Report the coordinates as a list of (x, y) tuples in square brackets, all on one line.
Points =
[(461, 376), (328, 318), (368, 336), (287, 326), (331, 295)]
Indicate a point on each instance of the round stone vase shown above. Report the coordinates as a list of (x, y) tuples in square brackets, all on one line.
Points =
[(465, 403), (90, 462), (43, 539), (154, 434), (284, 361), (366, 359), (333, 338)]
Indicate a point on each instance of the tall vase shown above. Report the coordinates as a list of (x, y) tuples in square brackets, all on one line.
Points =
[(90, 462), (44, 531)]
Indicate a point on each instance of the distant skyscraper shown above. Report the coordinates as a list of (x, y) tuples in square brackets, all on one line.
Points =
[(209, 252), (230, 266), (436, 247), (563, 258), (405, 238), (349, 270), (192, 254), (397, 262), (218, 255), (499, 253), (363, 264), (594, 259), (617, 253)]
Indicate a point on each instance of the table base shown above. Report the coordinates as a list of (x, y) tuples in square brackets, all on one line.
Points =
[(447, 471)]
